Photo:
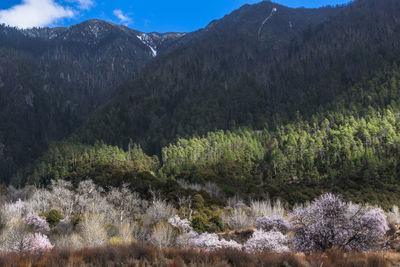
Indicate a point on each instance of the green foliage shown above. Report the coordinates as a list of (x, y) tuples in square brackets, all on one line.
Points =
[(243, 146), (105, 164), (53, 217), (199, 224), (198, 201), (349, 147), (207, 220), (76, 219)]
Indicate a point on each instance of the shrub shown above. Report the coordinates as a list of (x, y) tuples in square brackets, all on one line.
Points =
[(125, 231), (238, 218), (183, 240), (111, 229), (267, 241), (393, 216), (182, 224), (215, 224), (53, 217), (73, 241), (159, 211), (93, 231), (13, 235), (76, 219), (115, 240), (267, 208), (38, 223), (198, 201), (209, 242), (199, 224), (13, 210), (329, 222), (274, 223), (64, 227), (163, 235), (36, 242), (139, 233)]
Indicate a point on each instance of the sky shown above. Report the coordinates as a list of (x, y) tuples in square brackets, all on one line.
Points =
[(142, 15)]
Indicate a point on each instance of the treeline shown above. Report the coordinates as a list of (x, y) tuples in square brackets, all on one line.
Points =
[(350, 147), (341, 153), (229, 78)]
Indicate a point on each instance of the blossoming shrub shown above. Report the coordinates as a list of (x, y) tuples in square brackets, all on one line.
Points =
[(330, 222), (182, 224), (210, 242), (186, 232), (275, 223), (36, 242), (273, 241), (38, 223)]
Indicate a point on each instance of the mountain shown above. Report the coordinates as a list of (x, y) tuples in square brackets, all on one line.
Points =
[(236, 73), (309, 101), (53, 78), (218, 79)]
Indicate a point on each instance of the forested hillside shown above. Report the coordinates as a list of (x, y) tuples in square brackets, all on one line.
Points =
[(229, 77), (270, 137), (52, 79), (308, 103), (352, 148)]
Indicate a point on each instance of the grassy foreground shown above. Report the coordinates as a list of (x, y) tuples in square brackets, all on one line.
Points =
[(139, 254)]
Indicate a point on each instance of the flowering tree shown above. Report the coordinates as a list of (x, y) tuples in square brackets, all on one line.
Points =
[(329, 222), (36, 242), (209, 242), (179, 223), (275, 223), (38, 223), (267, 241), (186, 232)]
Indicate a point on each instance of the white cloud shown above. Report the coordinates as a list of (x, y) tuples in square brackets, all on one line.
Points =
[(83, 4), (34, 13), (124, 19)]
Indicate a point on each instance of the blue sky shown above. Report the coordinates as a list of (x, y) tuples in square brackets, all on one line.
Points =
[(143, 15)]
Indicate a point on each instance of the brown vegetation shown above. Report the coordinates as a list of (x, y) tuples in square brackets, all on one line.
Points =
[(139, 254)]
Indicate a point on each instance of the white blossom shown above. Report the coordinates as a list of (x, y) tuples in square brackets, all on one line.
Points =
[(329, 222), (273, 241), (209, 242)]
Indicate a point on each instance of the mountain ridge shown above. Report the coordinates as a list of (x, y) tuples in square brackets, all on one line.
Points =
[(51, 79)]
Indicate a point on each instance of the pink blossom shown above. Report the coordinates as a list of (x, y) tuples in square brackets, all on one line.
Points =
[(38, 223), (36, 243), (329, 222)]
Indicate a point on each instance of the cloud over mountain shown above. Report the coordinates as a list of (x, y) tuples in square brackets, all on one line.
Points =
[(41, 13)]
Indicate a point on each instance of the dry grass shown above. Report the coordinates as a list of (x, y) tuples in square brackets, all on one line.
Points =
[(139, 254)]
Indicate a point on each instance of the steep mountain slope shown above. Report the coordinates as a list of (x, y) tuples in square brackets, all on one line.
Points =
[(51, 79), (229, 75), (218, 79), (321, 106)]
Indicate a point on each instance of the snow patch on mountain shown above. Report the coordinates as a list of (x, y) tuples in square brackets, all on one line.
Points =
[(147, 40)]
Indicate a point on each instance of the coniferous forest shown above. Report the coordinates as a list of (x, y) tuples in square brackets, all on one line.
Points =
[(233, 145)]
